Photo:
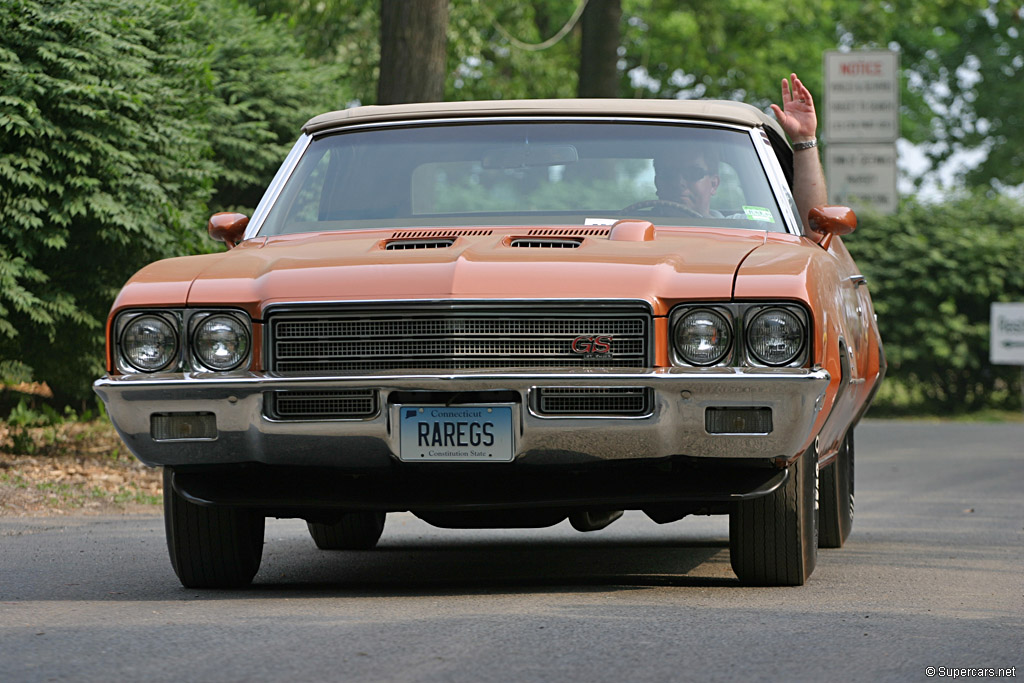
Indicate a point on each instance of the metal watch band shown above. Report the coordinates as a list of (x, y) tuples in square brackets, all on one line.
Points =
[(797, 146)]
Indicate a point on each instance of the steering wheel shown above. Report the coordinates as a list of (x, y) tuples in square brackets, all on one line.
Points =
[(651, 203)]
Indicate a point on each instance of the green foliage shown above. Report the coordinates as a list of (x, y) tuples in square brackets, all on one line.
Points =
[(342, 33), (104, 168), (484, 65), (119, 120), (263, 90), (934, 270), (24, 417)]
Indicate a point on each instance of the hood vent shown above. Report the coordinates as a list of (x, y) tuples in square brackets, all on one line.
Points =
[(439, 233), (569, 232), (419, 244), (546, 242)]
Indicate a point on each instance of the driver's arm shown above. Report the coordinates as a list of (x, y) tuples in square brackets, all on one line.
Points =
[(798, 118)]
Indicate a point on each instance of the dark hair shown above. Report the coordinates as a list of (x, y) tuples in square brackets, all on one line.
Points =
[(693, 150)]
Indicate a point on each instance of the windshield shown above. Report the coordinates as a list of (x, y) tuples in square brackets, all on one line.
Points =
[(535, 173)]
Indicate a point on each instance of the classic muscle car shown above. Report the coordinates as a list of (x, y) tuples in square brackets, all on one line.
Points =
[(497, 314)]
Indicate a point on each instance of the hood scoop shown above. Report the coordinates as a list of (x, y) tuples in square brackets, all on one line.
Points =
[(546, 242), (398, 245), (569, 232), (437, 238), (556, 238), (439, 233)]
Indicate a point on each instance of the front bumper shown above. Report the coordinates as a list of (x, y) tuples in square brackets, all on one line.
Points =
[(674, 425)]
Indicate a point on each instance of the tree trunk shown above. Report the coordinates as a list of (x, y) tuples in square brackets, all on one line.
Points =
[(599, 56), (413, 48)]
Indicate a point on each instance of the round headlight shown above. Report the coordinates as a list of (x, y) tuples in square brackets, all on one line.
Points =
[(702, 337), (221, 342), (775, 336), (149, 343)]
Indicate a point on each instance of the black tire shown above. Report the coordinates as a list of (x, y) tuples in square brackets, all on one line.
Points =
[(836, 515), (773, 540), (211, 547), (354, 531)]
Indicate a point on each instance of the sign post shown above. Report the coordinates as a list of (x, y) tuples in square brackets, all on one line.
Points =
[(862, 108), (1006, 345)]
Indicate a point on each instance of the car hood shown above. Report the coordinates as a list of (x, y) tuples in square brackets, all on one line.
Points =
[(672, 264)]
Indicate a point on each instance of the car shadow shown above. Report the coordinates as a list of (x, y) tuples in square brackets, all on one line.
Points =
[(476, 567)]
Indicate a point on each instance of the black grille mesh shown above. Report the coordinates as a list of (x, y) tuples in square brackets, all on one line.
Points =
[(319, 405), (624, 401)]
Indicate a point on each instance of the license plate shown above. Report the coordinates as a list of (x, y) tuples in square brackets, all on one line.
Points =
[(455, 433)]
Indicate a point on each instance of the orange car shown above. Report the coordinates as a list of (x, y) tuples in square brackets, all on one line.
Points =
[(506, 314)]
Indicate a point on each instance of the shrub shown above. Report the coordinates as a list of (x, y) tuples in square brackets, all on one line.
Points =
[(934, 270), (119, 120)]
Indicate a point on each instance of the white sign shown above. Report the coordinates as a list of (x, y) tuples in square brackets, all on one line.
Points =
[(1007, 345), (862, 96), (862, 176)]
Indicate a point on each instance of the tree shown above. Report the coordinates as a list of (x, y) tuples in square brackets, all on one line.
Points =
[(413, 50), (262, 90), (119, 121), (968, 75), (104, 167), (599, 49)]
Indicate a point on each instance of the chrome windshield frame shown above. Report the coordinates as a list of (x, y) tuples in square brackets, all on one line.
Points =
[(284, 174)]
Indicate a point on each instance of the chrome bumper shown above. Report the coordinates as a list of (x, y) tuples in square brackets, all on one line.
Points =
[(674, 426)]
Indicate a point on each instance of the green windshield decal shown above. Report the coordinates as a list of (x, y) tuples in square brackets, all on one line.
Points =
[(758, 213)]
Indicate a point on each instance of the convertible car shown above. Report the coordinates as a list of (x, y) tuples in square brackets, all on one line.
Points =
[(498, 314)]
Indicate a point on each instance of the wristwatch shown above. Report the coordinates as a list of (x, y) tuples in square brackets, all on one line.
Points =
[(797, 146)]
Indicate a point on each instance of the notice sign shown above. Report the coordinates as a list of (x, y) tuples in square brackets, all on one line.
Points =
[(1007, 345), (862, 96), (862, 176)]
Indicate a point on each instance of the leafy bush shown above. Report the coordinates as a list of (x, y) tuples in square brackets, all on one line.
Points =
[(119, 120), (934, 270)]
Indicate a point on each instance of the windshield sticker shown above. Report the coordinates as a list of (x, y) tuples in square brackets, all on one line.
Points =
[(758, 213)]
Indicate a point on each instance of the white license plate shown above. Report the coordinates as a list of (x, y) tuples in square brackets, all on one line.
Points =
[(455, 433)]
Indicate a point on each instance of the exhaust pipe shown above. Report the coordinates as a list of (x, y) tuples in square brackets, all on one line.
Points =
[(593, 520)]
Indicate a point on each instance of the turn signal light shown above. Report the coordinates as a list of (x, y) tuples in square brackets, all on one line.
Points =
[(182, 426), (738, 420)]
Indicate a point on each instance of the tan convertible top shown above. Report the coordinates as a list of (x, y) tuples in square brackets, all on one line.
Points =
[(704, 110)]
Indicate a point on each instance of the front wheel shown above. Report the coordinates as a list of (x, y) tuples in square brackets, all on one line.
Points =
[(773, 540), (211, 547), (354, 531), (837, 497)]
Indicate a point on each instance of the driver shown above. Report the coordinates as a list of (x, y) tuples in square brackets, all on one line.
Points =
[(689, 180)]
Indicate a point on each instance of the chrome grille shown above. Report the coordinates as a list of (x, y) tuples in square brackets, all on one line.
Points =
[(425, 337), (321, 405), (622, 401)]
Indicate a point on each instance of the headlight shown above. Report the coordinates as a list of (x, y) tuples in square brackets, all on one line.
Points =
[(221, 342), (149, 343), (775, 336), (702, 337)]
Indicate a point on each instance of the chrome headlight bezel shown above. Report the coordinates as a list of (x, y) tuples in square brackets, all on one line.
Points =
[(200, 320), (123, 327), (183, 324), (728, 328), (740, 315), (796, 357)]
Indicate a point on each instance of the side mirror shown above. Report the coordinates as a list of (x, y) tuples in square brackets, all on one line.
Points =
[(228, 228), (831, 221)]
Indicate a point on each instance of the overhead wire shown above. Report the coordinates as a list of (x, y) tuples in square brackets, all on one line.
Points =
[(553, 40)]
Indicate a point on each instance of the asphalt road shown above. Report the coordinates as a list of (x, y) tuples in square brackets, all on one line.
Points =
[(933, 576)]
